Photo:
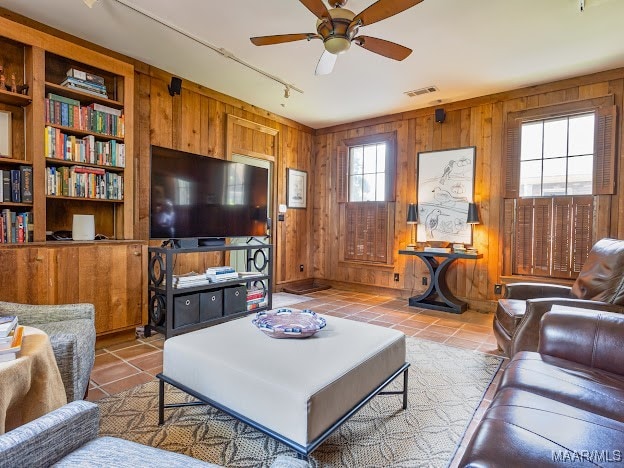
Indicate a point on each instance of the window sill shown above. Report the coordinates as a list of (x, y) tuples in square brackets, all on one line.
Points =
[(356, 264)]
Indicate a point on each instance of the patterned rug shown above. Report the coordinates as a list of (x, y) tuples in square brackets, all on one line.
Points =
[(446, 386)]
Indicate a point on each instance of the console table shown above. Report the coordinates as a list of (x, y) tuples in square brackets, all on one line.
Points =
[(438, 296)]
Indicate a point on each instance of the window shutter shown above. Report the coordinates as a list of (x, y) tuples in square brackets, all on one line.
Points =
[(366, 226), (512, 159), (604, 151), (542, 213), (381, 233), (342, 174), (350, 230), (523, 253), (562, 224), (581, 232)]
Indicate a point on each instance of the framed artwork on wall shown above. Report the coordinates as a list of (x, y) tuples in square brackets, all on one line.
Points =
[(5, 134), (445, 187), (297, 188)]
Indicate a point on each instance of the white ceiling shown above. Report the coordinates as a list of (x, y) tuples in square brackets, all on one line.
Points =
[(466, 48)]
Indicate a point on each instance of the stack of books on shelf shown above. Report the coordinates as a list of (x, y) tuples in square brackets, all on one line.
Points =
[(16, 228), (10, 338), (16, 185), (97, 118), (58, 145), (188, 280), (256, 298), (224, 273), (84, 182), (85, 82)]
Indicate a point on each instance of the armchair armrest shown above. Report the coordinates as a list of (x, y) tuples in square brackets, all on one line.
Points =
[(36, 314), (535, 290), (526, 336), (584, 336), (47, 439)]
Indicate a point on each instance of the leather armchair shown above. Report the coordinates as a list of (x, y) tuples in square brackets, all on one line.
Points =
[(599, 286)]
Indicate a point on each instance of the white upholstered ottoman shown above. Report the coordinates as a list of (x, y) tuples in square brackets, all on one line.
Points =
[(296, 390)]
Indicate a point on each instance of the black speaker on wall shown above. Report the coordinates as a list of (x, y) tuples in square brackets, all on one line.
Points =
[(176, 86), (440, 115)]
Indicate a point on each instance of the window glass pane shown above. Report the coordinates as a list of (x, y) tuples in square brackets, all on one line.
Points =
[(370, 159), (580, 175), (531, 178), (381, 158), (381, 187), (531, 141), (555, 138), (368, 187), (355, 188), (554, 177), (581, 139), (356, 160)]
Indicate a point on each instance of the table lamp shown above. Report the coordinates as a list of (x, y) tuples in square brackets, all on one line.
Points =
[(472, 218), (412, 218)]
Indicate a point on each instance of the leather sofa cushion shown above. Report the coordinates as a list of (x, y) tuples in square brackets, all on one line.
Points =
[(565, 381), (509, 313), (602, 275), (524, 429)]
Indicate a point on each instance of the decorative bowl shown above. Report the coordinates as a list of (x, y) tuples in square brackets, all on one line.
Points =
[(289, 323), (438, 244)]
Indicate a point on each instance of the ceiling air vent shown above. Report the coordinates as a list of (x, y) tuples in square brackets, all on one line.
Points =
[(421, 91)]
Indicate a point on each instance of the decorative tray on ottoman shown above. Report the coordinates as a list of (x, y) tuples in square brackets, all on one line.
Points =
[(289, 323)]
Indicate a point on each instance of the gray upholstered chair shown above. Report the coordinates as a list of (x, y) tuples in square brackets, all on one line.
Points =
[(67, 437), (71, 328)]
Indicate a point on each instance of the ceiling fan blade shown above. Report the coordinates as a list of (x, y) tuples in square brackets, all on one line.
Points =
[(281, 38), (383, 9), (317, 7), (325, 64), (383, 47)]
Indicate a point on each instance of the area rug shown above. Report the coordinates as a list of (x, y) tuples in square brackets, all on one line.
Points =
[(286, 299), (446, 386)]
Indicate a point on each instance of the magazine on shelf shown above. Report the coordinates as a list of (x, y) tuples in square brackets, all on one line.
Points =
[(16, 345), (7, 324)]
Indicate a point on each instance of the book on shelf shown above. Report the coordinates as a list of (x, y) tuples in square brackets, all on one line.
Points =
[(9, 353), (15, 228), (7, 325), (70, 81), (215, 278), (220, 270), (16, 191), (26, 176), (438, 249), (92, 118), (6, 185), (84, 183), (190, 284), (84, 76)]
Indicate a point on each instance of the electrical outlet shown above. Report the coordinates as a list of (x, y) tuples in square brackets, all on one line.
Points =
[(498, 289), (424, 281), (396, 277), (301, 267)]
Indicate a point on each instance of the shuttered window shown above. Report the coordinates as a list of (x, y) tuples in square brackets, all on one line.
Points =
[(365, 188), (556, 160)]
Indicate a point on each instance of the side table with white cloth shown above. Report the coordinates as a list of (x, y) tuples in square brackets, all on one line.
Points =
[(30, 385)]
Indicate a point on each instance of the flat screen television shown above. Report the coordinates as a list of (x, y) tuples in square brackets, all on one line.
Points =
[(194, 196)]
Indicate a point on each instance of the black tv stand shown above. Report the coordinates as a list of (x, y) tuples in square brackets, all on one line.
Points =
[(211, 241)]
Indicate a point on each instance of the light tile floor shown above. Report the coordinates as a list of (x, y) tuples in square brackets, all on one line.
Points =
[(125, 365)]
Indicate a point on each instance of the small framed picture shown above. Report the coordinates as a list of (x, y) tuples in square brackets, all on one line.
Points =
[(297, 188), (5, 134)]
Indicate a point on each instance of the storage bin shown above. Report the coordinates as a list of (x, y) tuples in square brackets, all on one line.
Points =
[(210, 305), (185, 310), (234, 299)]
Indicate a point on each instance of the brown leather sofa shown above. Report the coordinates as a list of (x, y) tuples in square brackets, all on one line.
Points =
[(599, 286), (562, 405)]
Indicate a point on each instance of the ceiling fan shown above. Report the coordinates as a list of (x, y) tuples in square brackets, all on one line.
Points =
[(338, 28)]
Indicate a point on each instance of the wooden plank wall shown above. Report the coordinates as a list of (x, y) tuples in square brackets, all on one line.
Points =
[(195, 121), (478, 122)]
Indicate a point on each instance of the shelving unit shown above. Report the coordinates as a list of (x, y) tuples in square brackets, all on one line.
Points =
[(165, 301)]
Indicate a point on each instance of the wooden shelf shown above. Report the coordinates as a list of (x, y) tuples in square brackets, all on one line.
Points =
[(79, 132), (16, 204), (17, 162), (80, 96), (83, 199), (65, 162), (14, 99)]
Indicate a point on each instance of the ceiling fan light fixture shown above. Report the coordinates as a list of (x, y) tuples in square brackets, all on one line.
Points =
[(337, 45)]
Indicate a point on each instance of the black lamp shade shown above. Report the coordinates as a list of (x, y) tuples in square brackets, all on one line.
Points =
[(412, 214), (473, 214)]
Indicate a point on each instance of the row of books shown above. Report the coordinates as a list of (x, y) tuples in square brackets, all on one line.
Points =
[(256, 298), (58, 145), (85, 82), (97, 118), (16, 228), (10, 337), (224, 273), (16, 185), (190, 279), (84, 182), (212, 275)]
